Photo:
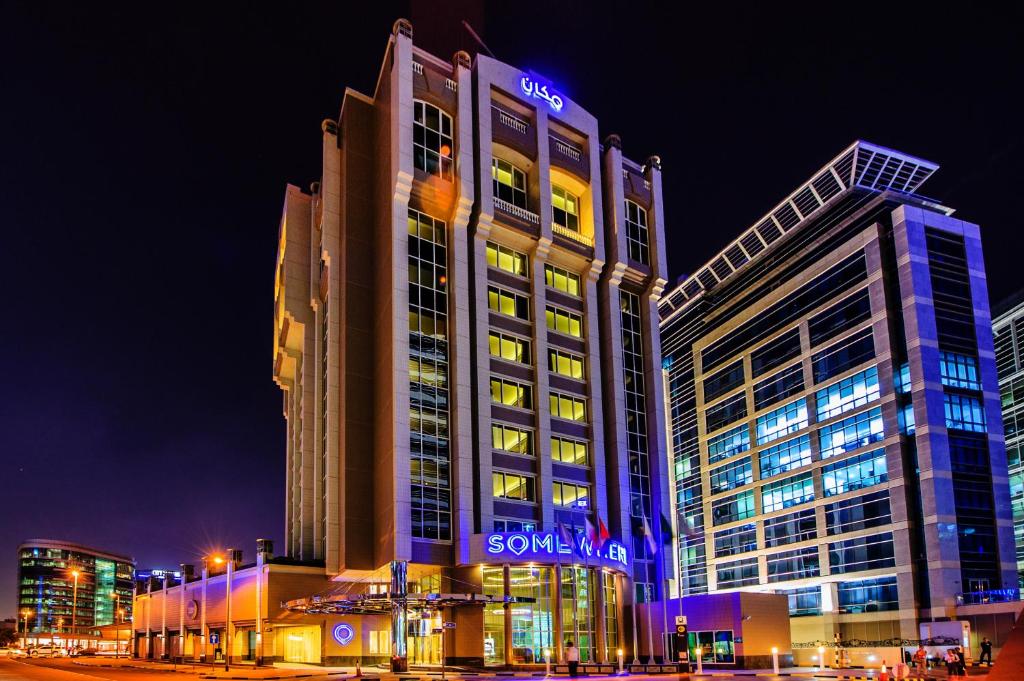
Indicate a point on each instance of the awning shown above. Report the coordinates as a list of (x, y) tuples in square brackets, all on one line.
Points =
[(383, 603)]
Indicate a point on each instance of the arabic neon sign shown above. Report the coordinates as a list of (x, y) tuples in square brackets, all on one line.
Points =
[(532, 88), (542, 545)]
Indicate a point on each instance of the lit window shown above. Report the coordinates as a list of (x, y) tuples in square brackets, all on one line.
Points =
[(513, 486), (564, 322), (504, 258), (562, 280), (570, 494), (509, 348), (731, 476), (959, 371), (776, 496), (511, 394), (636, 233), (566, 364), (432, 140), (509, 183), (568, 407), (565, 450), (729, 443), (508, 303), (785, 456), (851, 433), (849, 393), (964, 413), (729, 509), (511, 439), (782, 421), (565, 208), (857, 472)]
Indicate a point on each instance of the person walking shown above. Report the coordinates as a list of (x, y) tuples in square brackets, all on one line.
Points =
[(950, 660), (921, 660), (961, 661), (572, 658), (986, 651)]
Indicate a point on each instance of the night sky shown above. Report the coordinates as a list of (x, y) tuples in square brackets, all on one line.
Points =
[(145, 149)]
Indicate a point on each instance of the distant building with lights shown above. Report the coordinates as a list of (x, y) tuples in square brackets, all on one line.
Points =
[(1008, 328), (834, 426), (466, 338), (47, 594)]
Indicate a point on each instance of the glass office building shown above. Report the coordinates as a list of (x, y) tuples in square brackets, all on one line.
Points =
[(834, 422), (1008, 328), (46, 587)]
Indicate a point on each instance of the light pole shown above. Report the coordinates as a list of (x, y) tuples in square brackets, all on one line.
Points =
[(26, 613), (74, 607), (227, 610), (60, 629), (117, 629)]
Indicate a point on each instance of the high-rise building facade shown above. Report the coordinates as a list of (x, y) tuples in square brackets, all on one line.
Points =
[(834, 409), (467, 341), (1008, 330), (48, 571)]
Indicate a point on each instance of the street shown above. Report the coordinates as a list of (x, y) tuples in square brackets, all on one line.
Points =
[(63, 669)]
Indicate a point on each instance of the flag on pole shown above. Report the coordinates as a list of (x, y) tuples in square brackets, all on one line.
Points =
[(592, 534), (565, 536), (602, 531), (649, 537)]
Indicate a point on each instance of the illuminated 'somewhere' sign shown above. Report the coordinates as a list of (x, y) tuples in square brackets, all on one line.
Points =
[(542, 545)]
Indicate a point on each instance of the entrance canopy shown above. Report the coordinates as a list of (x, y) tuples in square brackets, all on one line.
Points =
[(384, 603)]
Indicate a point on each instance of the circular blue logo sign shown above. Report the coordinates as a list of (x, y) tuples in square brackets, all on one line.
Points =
[(343, 633)]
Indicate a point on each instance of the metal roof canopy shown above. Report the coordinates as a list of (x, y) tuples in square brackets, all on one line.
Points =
[(384, 603)]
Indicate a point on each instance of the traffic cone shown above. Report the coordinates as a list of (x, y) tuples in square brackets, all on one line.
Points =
[(884, 675)]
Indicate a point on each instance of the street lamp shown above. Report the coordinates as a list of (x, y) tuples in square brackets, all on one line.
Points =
[(26, 613), (117, 624), (74, 607)]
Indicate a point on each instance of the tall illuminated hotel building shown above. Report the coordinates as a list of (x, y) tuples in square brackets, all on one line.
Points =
[(834, 421), (466, 336)]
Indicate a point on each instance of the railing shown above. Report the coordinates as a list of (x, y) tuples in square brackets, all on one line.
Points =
[(417, 68), (567, 149), (513, 209), (982, 597), (450, 84), (517, 124), (570, 234)]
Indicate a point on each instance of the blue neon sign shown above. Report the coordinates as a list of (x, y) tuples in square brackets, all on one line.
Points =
[(343, 633), (532, 88), (540, 545)]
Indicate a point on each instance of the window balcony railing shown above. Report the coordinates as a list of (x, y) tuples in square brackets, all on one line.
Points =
[(417, 68), (982, 597), (451, 84), (567, 149), (515, 210), (570, 234), (517, 124)]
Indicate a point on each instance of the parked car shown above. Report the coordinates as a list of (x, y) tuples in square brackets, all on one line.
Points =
[(7, 652), (84, 652), (46, 651)]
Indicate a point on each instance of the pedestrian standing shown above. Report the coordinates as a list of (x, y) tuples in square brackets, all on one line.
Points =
[(961, 661), (921, 660), (950, 660), (986, 651), (572, 657)]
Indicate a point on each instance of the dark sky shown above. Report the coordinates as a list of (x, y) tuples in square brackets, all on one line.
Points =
[(145, 148)]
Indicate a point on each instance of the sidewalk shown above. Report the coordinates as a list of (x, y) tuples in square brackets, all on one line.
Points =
[(238, 670)]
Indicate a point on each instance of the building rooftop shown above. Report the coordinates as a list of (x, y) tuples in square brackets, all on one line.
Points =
[(861, 165), (73, 546)]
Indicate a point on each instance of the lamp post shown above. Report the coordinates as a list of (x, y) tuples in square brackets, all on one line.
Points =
[(74, 607), (821, 658), (227, 610), (26, 613), (60, 628), (621, 666), (775, 660), (117, 628)]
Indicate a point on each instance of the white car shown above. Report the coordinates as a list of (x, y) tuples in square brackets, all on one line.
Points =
[(46, 651)]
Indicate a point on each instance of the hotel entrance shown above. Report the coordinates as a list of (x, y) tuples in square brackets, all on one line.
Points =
[(298, 644), (423, 644)]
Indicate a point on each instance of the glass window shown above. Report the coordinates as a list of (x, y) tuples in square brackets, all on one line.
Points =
[(568, 407), (432, 140), (736, 507), (637, 238), (851, 392), (511, 393), (564, 322), (778, 387), (795, 564), (843, 356), (736, 540), (512, 439), (562, 280), (858, 513), (570, 494), (861, 553), (565, 208), (857, 472), (728, 443), (510, 348), (508, 303), (724, 381), (851, 433), (776, 353), (725, 412), (803, 601), (509, 183), (514, 525), (964, 413), (731, 476), (869, 595), (844, 315), (514, 486), (785, 456), (782, 421), (790, 528), (504, 258), (901, 378), (565, 450), (737, 573), (793, 491), (566, 364)]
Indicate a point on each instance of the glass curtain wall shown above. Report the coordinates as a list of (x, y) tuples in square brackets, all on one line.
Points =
[(579, 613)]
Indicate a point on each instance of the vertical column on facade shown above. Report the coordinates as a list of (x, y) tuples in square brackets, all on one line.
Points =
[(602, 642), (484, 445), (149, 618), (559, 635), (163, 620), (545, 491), (181, 609), (399, 586), (204, 633), (506, 578)]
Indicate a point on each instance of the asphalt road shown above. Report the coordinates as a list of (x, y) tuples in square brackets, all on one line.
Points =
[(62, 669)]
